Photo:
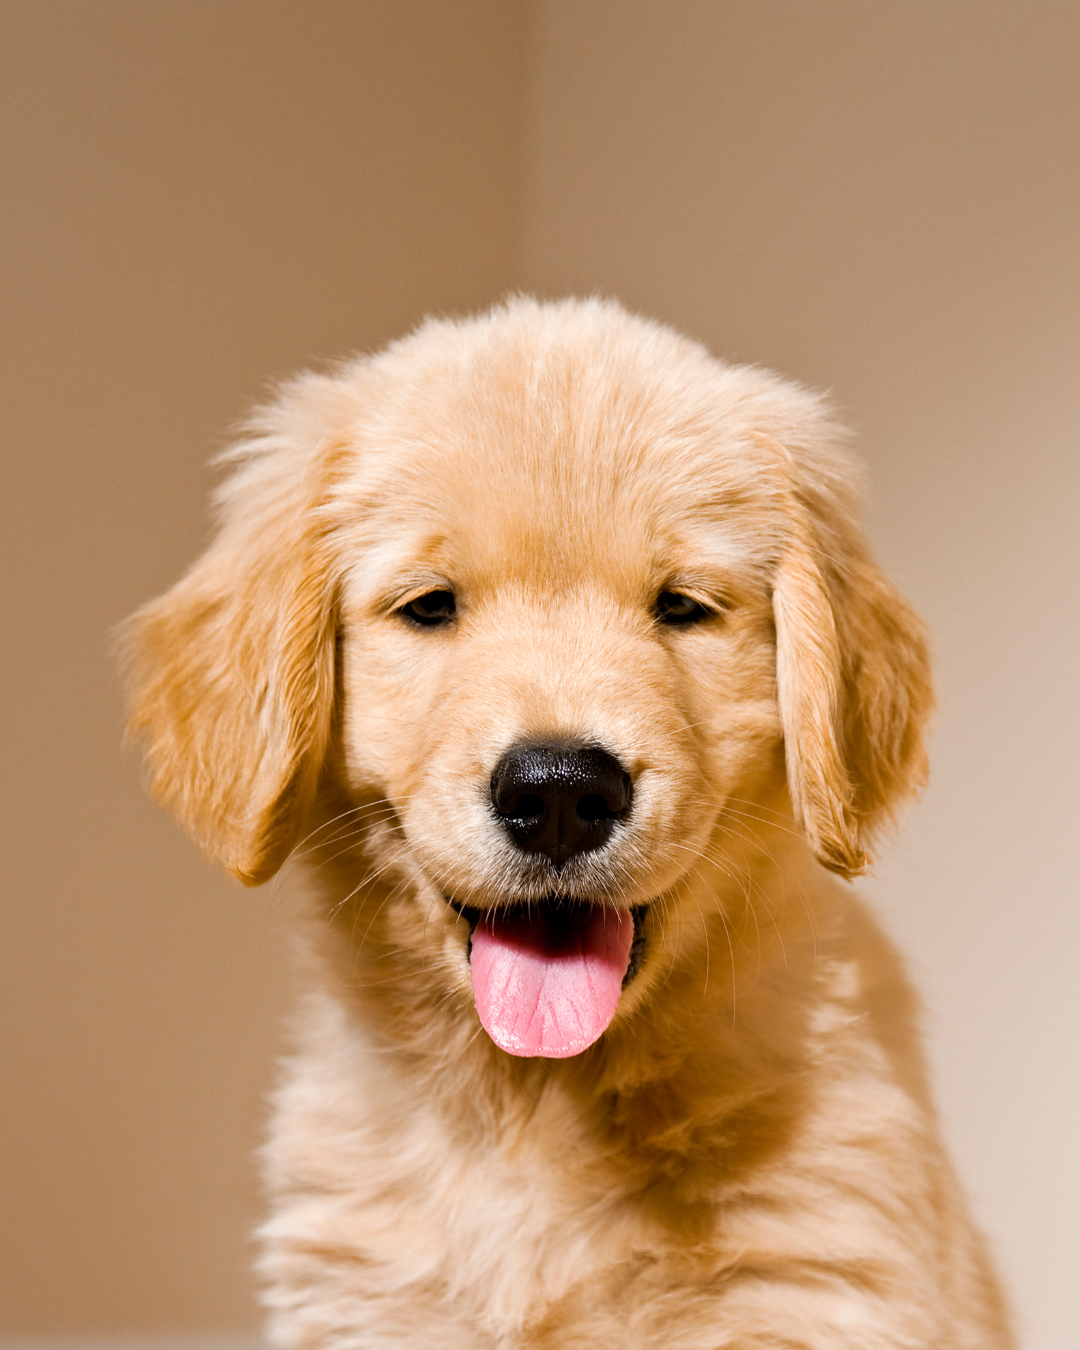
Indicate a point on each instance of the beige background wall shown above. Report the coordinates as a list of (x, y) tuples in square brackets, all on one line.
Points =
[(881, 199)]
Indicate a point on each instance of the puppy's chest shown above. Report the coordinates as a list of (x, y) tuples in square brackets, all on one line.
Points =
[(518, 1218), (495, 1226)]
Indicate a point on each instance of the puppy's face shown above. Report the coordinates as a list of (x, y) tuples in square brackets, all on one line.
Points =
[(558, 660), (557, 664), (575, 599), (521, 629)]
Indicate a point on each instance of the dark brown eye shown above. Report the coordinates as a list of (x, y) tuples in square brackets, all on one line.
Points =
[(671, 607), (430, 610)]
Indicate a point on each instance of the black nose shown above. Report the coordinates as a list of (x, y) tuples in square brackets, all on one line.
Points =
[(559, 800)]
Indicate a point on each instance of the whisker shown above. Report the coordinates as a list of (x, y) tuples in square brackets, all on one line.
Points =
[(350, 811), (360, 817)]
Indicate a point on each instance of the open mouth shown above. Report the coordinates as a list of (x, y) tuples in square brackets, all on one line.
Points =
[(547, 975)]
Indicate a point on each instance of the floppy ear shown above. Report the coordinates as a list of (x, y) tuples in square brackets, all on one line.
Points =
[(853, 679), (232, 671)]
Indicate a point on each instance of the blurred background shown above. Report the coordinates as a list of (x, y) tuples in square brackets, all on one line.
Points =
[(197, 196)]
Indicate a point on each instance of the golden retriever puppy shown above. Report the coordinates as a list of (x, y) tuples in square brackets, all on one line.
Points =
[(553, 644)]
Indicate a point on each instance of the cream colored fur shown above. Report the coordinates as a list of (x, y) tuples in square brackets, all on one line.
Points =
[(748, 1157)]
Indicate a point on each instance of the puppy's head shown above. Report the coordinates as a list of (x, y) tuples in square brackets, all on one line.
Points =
[(548, 594)]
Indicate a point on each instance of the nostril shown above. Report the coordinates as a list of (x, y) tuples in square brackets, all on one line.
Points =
[(526, 806), (594, 807), (510, 795)]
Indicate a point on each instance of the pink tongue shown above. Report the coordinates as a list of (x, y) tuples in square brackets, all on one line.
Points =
[(548, 984)]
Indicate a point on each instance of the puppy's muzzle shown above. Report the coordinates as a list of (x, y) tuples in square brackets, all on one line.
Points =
[(560, 800)]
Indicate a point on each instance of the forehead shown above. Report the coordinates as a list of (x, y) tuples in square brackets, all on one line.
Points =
[(580, 458)]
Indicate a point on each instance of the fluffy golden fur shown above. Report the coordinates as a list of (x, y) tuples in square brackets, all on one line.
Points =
[(747, 1158)]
